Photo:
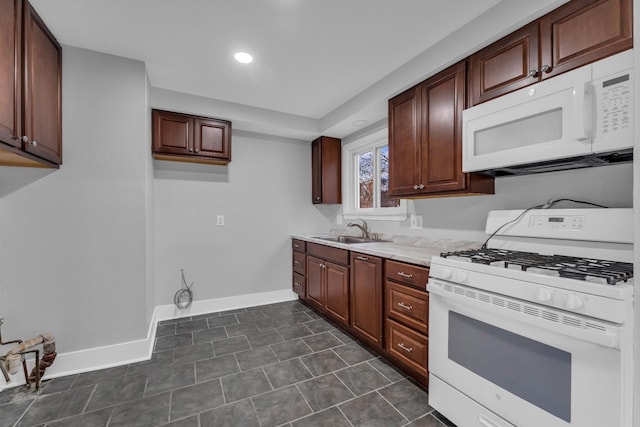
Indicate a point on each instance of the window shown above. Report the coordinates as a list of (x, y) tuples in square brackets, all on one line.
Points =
[(367, 180)]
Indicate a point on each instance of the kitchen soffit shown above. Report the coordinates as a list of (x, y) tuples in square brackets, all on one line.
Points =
[(310, 57)]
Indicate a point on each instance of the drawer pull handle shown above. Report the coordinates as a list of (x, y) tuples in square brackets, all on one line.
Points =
[(296, 246), (405, 306), (296, 262), (405, 348), (362, 258), (296, 284), (403, 274)]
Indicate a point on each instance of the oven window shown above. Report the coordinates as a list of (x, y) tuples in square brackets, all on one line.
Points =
[(536, 372)]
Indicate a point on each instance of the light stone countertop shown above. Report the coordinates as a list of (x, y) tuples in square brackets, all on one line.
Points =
[(411, 249)]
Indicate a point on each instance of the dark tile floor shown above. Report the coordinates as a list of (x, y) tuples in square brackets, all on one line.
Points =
[(272, 365)]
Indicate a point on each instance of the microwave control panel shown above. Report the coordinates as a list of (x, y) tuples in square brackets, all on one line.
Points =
[(616, 104)]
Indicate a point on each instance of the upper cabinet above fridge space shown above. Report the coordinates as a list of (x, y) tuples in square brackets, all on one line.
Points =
[(30, 89)]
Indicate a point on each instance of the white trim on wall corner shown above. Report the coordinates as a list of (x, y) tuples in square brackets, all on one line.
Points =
[(92, 359)]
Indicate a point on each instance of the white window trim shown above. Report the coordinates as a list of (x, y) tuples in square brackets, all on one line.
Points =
[(350, 184)]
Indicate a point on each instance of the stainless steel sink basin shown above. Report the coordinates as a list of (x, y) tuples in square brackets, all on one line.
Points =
[(348, 239)]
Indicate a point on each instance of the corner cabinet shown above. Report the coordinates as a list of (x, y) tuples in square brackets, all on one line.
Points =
[(425, 140), (186, 138), (299, 267), (30, 89), (326, 170), (573, 35)]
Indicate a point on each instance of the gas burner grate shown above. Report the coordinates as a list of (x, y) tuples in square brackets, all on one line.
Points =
[(587, 269)]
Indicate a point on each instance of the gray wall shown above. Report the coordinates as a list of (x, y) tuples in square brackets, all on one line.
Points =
[(264, 195), (73, 241)]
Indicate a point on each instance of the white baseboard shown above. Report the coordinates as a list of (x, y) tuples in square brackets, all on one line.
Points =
[(92, 359)]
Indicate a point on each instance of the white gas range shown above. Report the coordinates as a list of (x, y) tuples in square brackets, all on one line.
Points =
[(535, 328)]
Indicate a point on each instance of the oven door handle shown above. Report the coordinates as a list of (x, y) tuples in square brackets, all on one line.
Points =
[(557, 321)]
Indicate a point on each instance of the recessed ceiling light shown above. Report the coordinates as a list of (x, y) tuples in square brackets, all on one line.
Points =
[(359, 123), (243, 57)]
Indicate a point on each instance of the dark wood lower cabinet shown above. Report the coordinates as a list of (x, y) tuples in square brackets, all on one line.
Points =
[(328, 288), (366, 298), (383, 304), (315, 277), (337, 292)]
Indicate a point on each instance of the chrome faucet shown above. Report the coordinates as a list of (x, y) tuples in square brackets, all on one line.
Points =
[(364, 228)]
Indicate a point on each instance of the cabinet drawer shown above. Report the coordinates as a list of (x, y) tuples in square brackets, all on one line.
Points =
[(407, 305), (407, 346), (411, 275), (299, 264), (299, 284), (298, 245), (339, 256)]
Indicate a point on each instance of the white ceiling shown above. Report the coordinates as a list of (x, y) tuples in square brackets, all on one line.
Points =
[(312, 58)]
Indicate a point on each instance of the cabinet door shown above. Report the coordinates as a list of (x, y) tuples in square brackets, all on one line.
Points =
[(366, 297), (42, 89), (172, 133), (404, 143), (326, 170), (337, 292), (442, 105), (583, 31), (10, 71), (504, 66), (212, 138), (315, 278)]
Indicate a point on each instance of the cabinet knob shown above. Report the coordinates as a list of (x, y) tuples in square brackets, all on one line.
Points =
[(546, 69), (533, 73), (318, 198), (24, 138), (197, 151), (415, 187), (421, 186), (33, 143), (190, 150)]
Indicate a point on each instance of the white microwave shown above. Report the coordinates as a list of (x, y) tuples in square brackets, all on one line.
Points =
[(581, 118)]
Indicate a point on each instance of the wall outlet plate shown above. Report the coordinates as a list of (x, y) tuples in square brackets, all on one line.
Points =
[(220, 220)]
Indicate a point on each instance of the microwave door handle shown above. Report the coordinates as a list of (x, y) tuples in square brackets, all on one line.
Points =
[(582, 101)]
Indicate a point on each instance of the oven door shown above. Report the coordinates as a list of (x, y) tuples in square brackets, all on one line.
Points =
[(521, 361)]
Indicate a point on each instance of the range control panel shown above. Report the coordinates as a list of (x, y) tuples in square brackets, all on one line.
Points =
[(567, 222)]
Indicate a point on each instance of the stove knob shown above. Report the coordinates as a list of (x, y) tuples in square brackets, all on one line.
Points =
[(543, 295), (445, 273), (460, 276), (573, 302)]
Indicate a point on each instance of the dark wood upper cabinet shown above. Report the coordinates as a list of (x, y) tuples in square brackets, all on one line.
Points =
[(573, 35), (326, 170), (405, 142), (30, 89), (10, 72), (508, 64), (583, 31), (425, 139), (187, 138)]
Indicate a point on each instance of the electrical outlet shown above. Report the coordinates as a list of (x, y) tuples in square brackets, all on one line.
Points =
[(220, 220), (416, 221)]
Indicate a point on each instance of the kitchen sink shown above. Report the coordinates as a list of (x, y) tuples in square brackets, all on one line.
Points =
[(348, 239)]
